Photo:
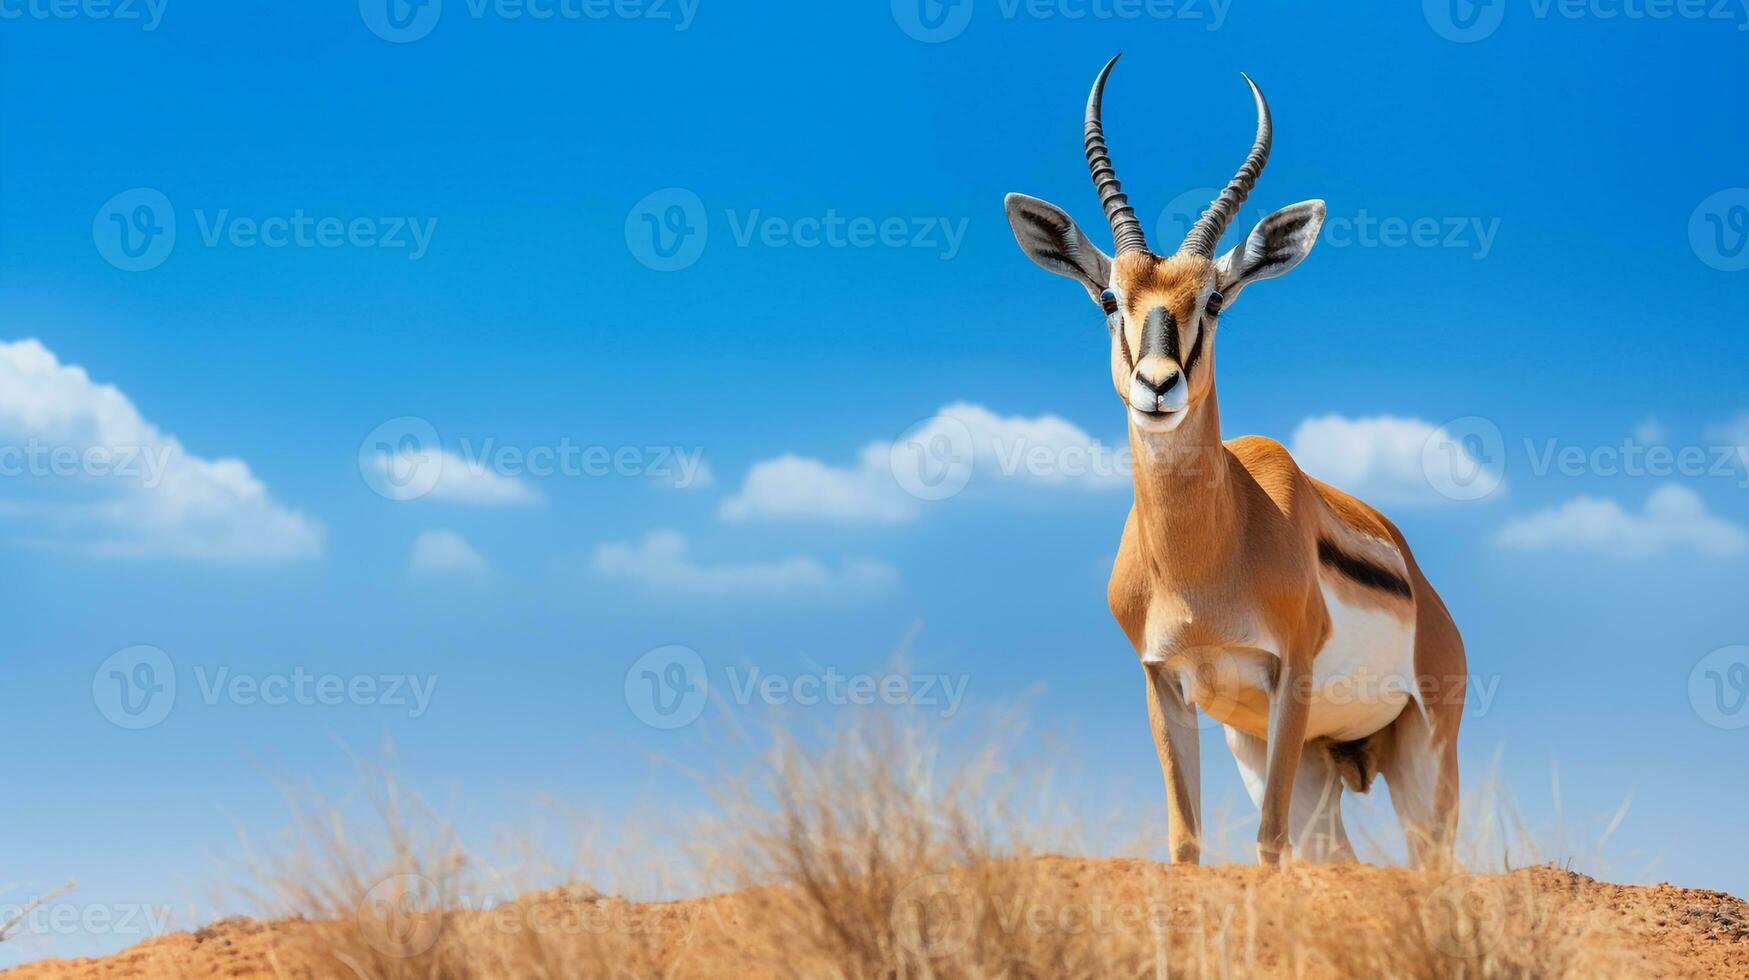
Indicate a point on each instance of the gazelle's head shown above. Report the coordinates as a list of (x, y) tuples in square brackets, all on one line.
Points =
[(1162, 310)]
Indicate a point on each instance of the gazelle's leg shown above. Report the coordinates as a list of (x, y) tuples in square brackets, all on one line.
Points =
[(1315, 815), (1177, 741), (1421, 771), (1250, 752), (1289, 711)]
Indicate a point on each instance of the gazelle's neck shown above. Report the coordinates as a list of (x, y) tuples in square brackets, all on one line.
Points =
[(1184, 501)]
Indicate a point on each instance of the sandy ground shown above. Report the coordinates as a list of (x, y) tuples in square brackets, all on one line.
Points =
[(1652, 931)]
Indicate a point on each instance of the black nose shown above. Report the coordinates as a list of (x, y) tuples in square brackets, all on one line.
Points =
[(1162, 387)]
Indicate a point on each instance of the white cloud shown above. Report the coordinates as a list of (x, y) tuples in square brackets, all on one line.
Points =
[(1674, 519), (1386, 459), (793, 486), (1651, 432), (661, 563), (84, 471), (439, 474), (964, 445), (684, 476), (438, 553)]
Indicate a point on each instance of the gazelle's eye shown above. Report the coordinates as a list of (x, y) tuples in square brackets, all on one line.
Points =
[(1108, 299), (1214, 304)]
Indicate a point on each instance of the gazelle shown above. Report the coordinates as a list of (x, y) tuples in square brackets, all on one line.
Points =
[(1285, 609)]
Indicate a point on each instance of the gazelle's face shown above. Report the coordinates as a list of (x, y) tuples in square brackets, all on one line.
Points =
[(1161, 311), (1162, 336)]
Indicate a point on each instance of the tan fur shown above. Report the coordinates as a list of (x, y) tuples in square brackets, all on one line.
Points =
[(1180, 284), (1221, 552)]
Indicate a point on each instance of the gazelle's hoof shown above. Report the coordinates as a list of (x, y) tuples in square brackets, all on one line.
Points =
[(1274, 857)]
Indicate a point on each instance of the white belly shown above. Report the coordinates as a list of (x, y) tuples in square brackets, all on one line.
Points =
[(1361, 679), (1364, 675)]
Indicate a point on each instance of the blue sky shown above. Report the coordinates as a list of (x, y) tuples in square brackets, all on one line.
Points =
[(442, 235)]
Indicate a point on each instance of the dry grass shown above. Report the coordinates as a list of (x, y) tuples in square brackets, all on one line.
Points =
[(860, 860), (11, 922)]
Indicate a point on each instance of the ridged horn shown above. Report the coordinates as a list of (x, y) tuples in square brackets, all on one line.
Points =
[(1126, 231), (1207, 231)]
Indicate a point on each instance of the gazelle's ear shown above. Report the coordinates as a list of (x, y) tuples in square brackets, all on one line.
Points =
[(1277, 244), (1053, 240)]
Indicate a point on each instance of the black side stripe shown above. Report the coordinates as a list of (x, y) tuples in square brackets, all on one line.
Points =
[(1363, 571)]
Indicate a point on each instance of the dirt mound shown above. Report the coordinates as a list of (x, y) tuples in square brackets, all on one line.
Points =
[(1190, 921)]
